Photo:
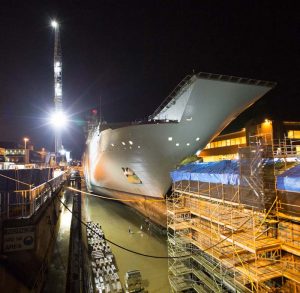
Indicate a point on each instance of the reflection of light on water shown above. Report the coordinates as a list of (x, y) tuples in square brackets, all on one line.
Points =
[(65, 220), (116, 219)]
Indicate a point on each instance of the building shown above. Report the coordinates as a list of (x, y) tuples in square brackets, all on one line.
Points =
[(16, 154), (2, 154), (226, 146)]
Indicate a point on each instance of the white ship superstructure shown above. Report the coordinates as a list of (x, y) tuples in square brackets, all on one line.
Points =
[(135, 159)]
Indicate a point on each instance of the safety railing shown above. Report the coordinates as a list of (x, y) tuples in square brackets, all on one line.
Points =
[(187, 80), (236, 79), (25, 203), (205, 75)]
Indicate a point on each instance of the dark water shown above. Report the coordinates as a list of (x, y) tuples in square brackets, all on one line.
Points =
[(116, 219)]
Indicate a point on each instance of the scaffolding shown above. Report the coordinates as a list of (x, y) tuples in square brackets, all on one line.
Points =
[(225, 238)]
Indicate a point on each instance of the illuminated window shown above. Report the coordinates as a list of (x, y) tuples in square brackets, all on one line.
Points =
[(244, 140), (228, 142), (294, 134), (223, 143)]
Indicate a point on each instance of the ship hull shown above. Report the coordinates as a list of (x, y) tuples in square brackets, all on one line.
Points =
[(151, 208), (135, 160)]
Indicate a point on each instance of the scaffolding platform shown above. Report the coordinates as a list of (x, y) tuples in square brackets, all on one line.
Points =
[(229, 243)]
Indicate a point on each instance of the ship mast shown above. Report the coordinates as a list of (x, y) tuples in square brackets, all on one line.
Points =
[(57, 83)]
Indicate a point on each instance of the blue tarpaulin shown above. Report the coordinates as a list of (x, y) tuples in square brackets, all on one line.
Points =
[(289, 180), (225, 172)]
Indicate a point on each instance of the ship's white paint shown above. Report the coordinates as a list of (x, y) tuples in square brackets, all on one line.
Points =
[(175, 108), (204, 108)]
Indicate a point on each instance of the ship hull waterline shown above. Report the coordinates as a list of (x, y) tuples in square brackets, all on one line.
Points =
[(152, 209)]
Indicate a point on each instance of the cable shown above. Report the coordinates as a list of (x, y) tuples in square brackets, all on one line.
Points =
[(127, 249), (118, 245), (16, 180), (143, 254)]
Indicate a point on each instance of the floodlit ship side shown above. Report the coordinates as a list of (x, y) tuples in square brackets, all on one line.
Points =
[(135, 159)]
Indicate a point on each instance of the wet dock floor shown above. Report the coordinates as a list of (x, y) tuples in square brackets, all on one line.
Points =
[(116, 220), (58, 266)]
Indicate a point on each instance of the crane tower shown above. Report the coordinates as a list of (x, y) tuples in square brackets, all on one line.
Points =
[(57, 83)]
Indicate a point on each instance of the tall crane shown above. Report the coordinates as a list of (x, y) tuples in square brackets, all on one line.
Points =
[(57, 84)]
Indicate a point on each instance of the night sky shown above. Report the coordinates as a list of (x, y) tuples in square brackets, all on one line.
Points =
[(133, 53)]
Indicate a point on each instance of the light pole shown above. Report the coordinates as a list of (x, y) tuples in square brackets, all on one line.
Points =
[(57, 84), (25, 141), (25, 157), (59, 120)]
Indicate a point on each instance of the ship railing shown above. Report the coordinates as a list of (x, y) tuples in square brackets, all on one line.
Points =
[(187, 80), (25, 203), (212, 76), (231, 78)]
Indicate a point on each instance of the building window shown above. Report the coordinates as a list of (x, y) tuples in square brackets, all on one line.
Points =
[(294, 134)]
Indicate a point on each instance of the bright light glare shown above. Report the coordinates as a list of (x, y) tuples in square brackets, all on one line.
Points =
[(59, 119), (54, 23), (63, 152)]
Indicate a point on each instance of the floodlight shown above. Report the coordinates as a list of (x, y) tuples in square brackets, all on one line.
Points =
[(54, 23), (59, 119), (26, 139), (62, 152)]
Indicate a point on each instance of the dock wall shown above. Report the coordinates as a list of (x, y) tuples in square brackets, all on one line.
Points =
[(23, 269)]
